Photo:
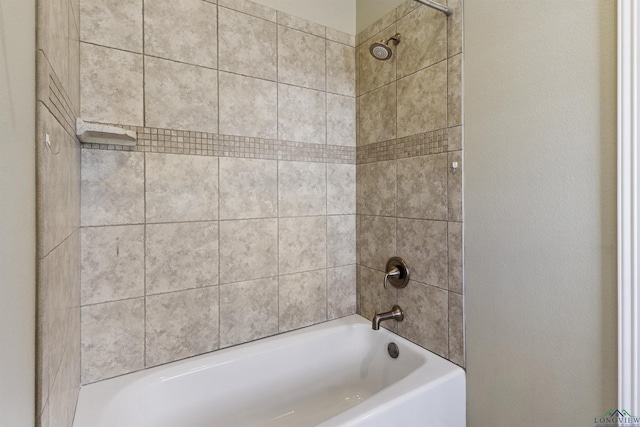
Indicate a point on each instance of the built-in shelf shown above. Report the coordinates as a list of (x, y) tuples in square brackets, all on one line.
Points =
[(91, 133)]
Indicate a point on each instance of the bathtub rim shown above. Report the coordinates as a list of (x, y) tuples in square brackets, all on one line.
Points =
[(95, 397)]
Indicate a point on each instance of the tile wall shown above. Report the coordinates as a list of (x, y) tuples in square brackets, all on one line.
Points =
[(234, 217), (58, 212), (409, 199)]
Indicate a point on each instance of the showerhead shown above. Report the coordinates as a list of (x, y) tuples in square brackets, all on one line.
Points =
[(381, 50)]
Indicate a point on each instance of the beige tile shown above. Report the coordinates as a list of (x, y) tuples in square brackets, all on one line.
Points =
[(382, 23), (455, 257), (111, 85), (374, 73), (112, 23), (300, 24), (423, 244), (43, 419), (65, 389), (112, 187), (248, 311), (341, 120), (61, 394), (454, 27), (250, 8), (455, 138), (424, 40), (407, 7), (73, 83), (58, 308), (303, 299), (302, 244), (172, 90), (341, 291), (341, 189), (422, 187), (302, 114), (376, 188), (373, 297), (43, 332), (376, 241), (73, 373), (181, 256), (341, 69), (58, 183), (112, 339), (454, 93), (302, 188), (75, 9), (301, 59), (69, 312), (340, 37), (181, 324), (248, 106), (425, 317), (181, 188), (52, 34), (421, 101), (377, 120), (112, 263), (247, 45), (248, 188), (248, 249), (182, 30), (456, 329), (454, 184), (341, 240), (75, 361)]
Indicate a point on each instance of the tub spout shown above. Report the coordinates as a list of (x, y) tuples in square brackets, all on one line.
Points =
[(396, 313)]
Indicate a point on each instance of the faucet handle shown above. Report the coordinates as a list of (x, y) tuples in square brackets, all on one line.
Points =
[(394, 272), (397, 273)]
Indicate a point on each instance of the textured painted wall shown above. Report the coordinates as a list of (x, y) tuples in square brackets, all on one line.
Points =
[(234, 217), (17, 210), (409, 199), (58, 210), (540, 211)]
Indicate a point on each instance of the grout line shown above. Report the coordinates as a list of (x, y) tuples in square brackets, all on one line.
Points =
[(196, 288), (326, 247), (326, 181), (219, 263), (144, 100), (218, 81), (218, 161), (404, 76), (278, 239), (227, 220), (144, 179)]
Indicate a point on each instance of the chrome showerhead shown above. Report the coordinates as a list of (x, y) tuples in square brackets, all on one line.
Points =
[(381, 50)]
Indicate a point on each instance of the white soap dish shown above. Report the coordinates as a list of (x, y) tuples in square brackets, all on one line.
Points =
[(90, 133)]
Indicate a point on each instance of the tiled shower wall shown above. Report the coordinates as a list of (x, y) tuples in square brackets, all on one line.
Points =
[(234, 217), (409, 198), (58, 212)]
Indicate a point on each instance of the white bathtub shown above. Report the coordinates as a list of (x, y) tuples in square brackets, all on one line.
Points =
[(334, 374)]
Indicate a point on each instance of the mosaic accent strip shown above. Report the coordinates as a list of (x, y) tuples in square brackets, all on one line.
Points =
[(410, 146), (154, 140)]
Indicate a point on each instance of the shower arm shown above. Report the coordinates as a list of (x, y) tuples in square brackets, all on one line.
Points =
[(436, 6)]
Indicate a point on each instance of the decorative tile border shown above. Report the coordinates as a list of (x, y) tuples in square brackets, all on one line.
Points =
[(410, 146), (156, 140)]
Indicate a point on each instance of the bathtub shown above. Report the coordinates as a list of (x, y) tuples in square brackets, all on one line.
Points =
[(337, 373)]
